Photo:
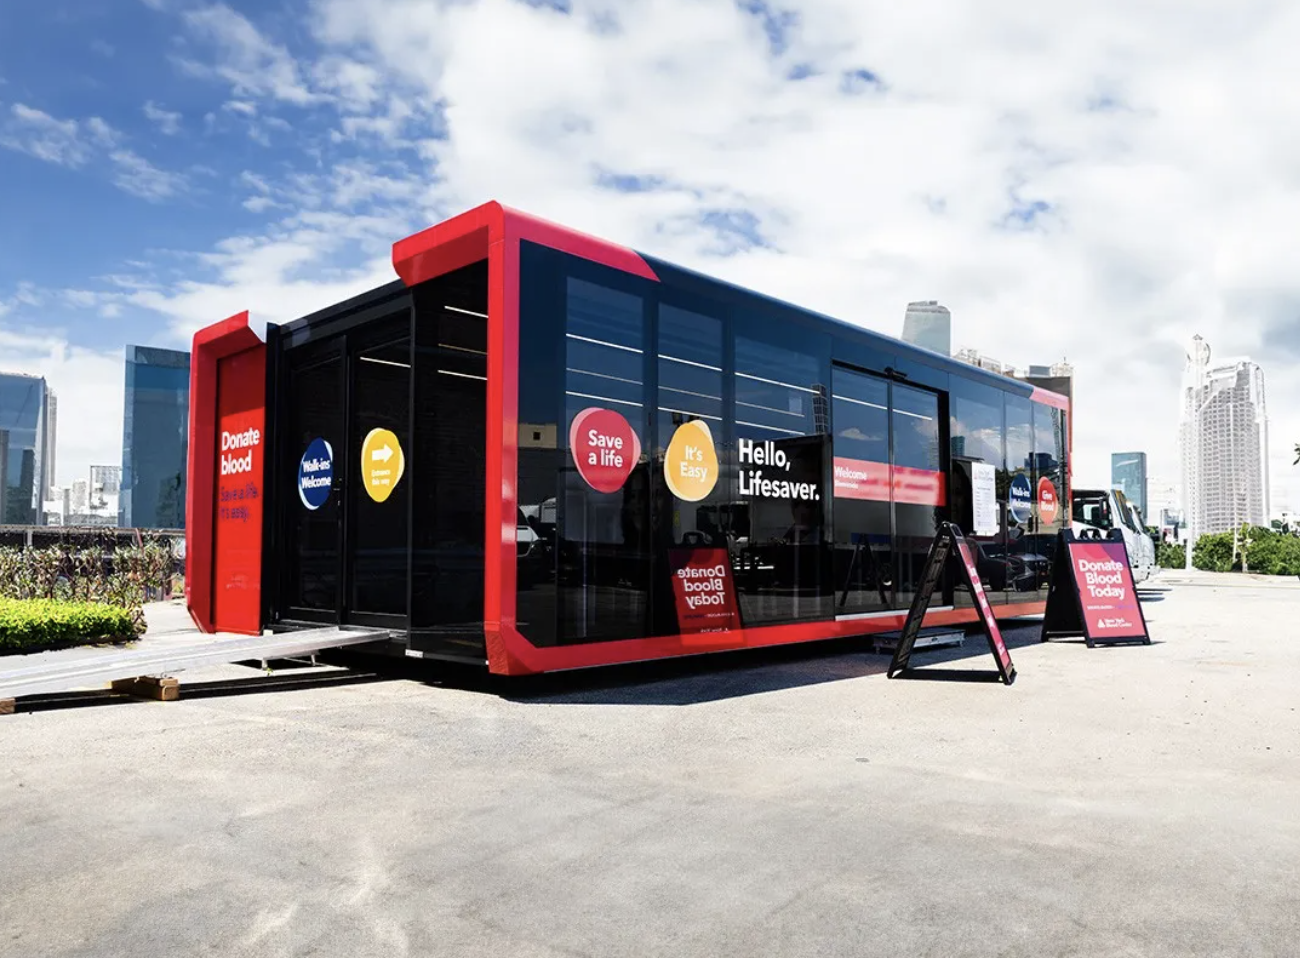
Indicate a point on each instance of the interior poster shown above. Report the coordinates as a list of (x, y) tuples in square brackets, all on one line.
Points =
[(984, 499)]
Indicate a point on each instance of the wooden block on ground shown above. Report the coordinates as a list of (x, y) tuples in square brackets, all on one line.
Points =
[(6, 706), (150, 687)]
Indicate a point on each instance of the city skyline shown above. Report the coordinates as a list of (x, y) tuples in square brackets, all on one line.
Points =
[(229, 157)]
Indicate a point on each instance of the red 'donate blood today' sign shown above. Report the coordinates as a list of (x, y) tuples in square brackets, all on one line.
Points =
[(605, 448), (982, 600), (704, 591), (1107, 595)]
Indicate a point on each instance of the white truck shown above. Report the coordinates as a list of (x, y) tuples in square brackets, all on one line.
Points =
[(1105, 509)]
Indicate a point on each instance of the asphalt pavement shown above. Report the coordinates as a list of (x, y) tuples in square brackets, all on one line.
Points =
[(1134, 801)]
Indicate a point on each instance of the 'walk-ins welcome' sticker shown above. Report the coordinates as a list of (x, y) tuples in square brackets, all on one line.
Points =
[(691, 462), (605, 448)]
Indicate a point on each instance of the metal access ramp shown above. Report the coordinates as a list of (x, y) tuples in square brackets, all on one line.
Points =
[(94, 670)]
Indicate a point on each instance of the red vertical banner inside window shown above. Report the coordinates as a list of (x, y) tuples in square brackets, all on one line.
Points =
[(239, 463)]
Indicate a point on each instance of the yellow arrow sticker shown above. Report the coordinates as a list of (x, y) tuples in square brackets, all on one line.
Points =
[(382, 463)]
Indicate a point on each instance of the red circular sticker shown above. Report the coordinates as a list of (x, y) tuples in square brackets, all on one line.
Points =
[(1047, 502), (604, 447)]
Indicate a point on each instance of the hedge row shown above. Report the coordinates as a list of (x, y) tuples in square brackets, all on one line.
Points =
[(1266, 551), (27, 624)]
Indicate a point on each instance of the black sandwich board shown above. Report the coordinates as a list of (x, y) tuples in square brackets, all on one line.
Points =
[(949, 541), (1092, 593)]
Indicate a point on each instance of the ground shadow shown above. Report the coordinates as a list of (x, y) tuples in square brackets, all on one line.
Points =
[(948, 675), (715, 676)]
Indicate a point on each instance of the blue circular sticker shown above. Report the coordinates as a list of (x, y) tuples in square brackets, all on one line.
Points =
[(316, 474), (1020, 498)]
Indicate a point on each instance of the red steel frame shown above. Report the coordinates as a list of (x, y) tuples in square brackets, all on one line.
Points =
[(211, 345), (492, 232)]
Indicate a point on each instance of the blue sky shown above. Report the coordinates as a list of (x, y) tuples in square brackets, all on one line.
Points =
[(1094, 184)]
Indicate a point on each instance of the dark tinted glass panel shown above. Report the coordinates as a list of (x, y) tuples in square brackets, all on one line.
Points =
[(782, 420), (450, 455), (690, 424), (864, 557), (605, 538), (976, 436), (314, 403), (1026, 569), (919, 487), (541, 450), (377, 530)]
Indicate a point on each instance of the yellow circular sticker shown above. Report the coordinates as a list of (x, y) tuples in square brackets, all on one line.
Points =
[(691, 462), (382, 463)]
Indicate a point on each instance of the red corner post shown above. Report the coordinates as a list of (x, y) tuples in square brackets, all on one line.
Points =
[(223, 509)]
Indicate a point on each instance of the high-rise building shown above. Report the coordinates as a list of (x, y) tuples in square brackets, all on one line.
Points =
[(155, 438), (50, 436), (928, 325), (106, 479), (1128, 474), (1224, 439), (26, 446)]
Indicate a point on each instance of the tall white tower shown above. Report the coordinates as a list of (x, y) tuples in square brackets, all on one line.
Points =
[(1224, 436)]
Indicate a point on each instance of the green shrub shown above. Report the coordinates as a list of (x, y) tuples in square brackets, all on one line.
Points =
[(1171, 556), (1273, 553), (32, 623), (1213, 553)]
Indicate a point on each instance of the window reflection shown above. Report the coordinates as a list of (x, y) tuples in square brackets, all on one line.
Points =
[(864, 576), (605, 540), (782, 556)]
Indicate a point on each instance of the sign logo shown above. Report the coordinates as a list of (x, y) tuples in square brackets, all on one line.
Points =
[(316, 474), (605, 448), (691, 462), (1048, 504), (1020, 498), (382, 463)]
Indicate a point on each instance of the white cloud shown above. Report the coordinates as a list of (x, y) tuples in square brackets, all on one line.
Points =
[(137, 176), (252, 65), (167, 121), (63, 142), (75, 144), (1095, 183)]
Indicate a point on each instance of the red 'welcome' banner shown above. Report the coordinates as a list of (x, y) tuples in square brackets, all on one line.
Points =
[(875, 481)]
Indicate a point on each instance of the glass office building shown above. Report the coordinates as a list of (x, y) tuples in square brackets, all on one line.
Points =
[(155, 438), (26, 440), (1128, 474)]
